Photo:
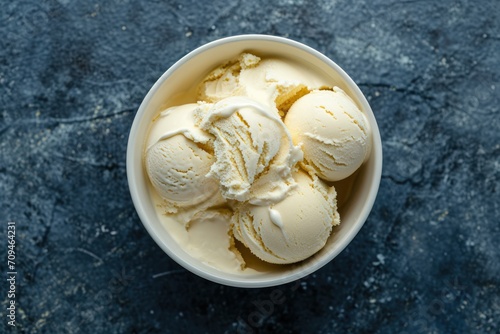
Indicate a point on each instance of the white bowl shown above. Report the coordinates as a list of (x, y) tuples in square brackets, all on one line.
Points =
[(182, 77)]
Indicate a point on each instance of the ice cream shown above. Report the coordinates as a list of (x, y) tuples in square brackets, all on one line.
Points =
[(274, 82), (250, 159), (177, 159), (224, 81), (209, 239), (254, 151), (332, 132), (290, 230)]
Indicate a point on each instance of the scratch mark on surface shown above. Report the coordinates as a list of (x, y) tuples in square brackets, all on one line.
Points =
[(89, 253), (168, 273)]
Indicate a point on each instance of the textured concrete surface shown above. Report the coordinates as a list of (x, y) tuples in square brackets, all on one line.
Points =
[(72, 75)]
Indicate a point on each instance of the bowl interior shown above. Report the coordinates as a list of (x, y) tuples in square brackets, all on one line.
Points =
[(178, 86)]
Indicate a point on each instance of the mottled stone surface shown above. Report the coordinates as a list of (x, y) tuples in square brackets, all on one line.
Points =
[(72, 75)]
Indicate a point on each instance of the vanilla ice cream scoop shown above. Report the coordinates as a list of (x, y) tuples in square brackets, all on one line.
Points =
[(178, 158), (254, 152), (293, 229), (333, 132)]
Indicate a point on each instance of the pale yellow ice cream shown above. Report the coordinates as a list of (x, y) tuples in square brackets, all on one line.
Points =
[(248, 160), (293, 229), (178, 158), (254, 153), (274, 82), (224, 81), (209, 239), (332, 132)]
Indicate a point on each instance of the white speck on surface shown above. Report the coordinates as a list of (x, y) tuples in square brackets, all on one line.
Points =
[(369, 282), (469, 243)]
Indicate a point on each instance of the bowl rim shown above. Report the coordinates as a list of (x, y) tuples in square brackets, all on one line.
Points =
[(248, 281)]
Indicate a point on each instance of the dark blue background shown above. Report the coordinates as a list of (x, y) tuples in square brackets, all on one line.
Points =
[(72, 75)]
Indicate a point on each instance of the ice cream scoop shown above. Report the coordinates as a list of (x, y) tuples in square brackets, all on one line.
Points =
[(332, 131), (254, 153), (293, 229), (178, 158)]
